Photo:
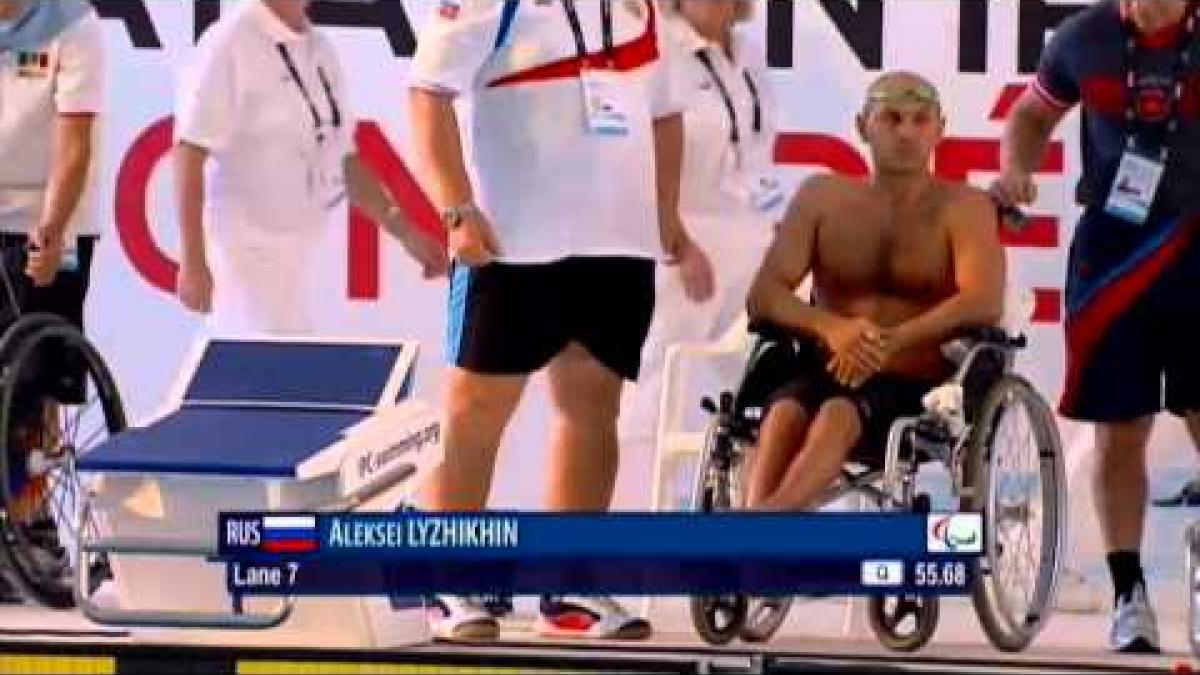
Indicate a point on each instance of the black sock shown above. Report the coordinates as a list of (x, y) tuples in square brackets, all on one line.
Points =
[(1126, 570)]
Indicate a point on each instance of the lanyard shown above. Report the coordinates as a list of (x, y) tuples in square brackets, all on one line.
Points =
[(334, 111), (735, 133), (577, 29), (1183, 63)]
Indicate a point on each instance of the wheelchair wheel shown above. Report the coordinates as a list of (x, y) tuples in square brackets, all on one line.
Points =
[(717, 619), (765, 617), (1013, 474), (39, 523), (903, 623)]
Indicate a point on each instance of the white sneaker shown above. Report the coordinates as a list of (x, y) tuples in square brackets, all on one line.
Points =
[(1134, 628), (600, 618), (461, 618)]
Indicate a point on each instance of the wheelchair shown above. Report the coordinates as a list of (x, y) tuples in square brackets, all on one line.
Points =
[(39, 487), (998, 440)]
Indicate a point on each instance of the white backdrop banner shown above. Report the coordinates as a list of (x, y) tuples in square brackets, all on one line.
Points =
[(823, 54)]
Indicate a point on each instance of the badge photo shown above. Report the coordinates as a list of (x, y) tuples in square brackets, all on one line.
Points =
[(33, 64)]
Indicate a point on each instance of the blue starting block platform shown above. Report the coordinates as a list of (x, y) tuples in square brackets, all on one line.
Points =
[(272, 425)]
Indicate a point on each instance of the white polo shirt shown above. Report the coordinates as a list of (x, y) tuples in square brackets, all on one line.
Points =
[(550, 188), (274, 167), (721, 178), (64, 77)]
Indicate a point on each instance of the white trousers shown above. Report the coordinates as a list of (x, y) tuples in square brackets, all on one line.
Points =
[(736, 250), (266, 282)]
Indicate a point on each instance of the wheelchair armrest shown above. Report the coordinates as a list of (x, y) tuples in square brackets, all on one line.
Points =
[(990, 335)]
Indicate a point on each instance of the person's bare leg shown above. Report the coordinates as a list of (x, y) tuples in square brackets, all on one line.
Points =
[(1192, 419), (780, 437), (584, 455), (833, 433), (477, 410), (1119, 483)]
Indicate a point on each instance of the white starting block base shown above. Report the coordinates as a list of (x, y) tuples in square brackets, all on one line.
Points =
[(260, 426), (181, 510)]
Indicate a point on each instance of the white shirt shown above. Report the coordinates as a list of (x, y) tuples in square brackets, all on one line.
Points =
[(723, 179), (550, 188), (238, 99), (65, 77)]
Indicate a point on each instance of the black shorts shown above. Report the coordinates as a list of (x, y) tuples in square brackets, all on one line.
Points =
[(508, 319), (880, 401), (1132, 294), (61, 373)]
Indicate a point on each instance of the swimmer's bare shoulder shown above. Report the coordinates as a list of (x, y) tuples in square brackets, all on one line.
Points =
[(967, 207), (818, 198)]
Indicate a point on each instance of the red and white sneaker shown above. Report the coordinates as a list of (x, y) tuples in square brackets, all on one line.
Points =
[(598, 618)]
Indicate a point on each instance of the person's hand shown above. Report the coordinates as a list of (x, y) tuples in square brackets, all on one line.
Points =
[(694, 268), (427, 251), (473, 243), (195, 286), (858, 350), (848, 372), (1013, 189), (45, 257)]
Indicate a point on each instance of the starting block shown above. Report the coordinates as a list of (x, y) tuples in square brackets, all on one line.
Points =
[(256, 425)]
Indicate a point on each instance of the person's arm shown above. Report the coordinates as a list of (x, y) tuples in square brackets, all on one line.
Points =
[(979, 276), (194, 283), (79, 92), (1032, 123), (439, 148), (1046, 101), (70, 163), (368, 194), (668, 163), (788, 262), (454, 47), (208, 107), (189, 197)]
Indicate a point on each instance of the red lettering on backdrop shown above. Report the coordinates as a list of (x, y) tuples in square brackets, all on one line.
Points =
[(955, 159), (159, 269), (133, 222), (824, 150), (379, 154)]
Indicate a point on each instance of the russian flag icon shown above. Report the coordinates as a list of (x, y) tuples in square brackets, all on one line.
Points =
[(289, 534)]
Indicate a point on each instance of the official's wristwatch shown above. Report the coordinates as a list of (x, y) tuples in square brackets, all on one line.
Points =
[(454, 216)]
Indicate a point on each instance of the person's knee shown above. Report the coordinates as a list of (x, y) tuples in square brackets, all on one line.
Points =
[(842, 424), (472, 399), (586, 393), (1122, 443), (785, 419)]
